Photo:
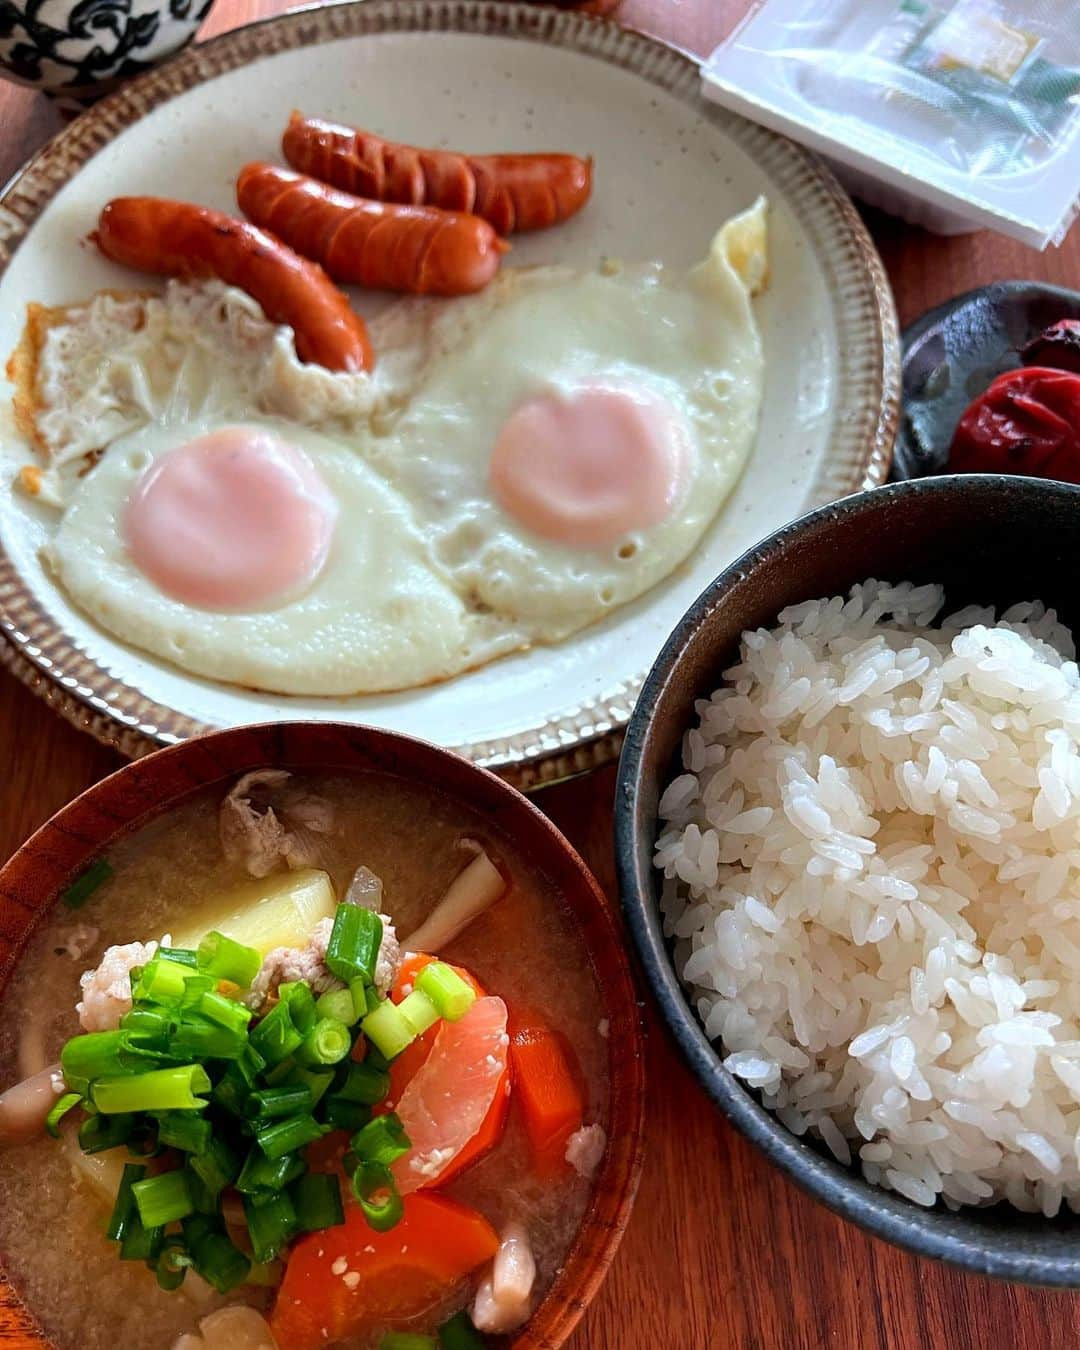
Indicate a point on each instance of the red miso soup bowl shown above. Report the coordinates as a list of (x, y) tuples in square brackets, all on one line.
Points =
[(386, 767)]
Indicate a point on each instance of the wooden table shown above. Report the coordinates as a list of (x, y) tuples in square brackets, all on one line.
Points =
[(722, 1251)]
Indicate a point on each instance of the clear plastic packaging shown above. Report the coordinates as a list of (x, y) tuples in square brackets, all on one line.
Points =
[(955, 114)]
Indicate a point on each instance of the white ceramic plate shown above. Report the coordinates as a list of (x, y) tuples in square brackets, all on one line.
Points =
[(480, 76)]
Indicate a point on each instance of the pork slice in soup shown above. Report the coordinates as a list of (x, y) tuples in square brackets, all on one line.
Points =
[(316, 1064)]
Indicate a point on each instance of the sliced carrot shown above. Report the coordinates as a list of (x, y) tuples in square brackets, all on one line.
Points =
[(547, 1091), (403, 1272)]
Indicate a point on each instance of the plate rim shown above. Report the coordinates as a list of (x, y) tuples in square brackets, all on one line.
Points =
[(34, 646)]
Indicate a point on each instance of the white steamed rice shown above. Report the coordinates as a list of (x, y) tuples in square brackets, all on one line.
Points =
[(872, 876)]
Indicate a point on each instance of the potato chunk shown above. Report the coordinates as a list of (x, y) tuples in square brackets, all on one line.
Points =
[(274, 911)]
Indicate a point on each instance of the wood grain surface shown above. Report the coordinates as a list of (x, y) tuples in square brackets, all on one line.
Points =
[(722, 1252)]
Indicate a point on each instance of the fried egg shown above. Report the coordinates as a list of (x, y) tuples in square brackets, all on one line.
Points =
[(585, 355), (364, 609), (523, 462)]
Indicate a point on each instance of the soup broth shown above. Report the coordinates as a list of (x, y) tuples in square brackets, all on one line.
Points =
[(526, 949)]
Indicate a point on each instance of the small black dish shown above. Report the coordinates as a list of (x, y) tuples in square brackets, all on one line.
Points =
[(989, 539), (953, 352)]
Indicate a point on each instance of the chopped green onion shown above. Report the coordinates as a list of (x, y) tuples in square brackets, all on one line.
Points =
[(199, 1227), (217, 1167), (286, 1100), (198, 1038), (271, 1076), (60, 1110), (161, 981), (184, 1130), (286, 1136), (339, 1004), (98, 1132), (159, 1090), (214, 1257), (163, 1199), (225, 1011), (221, 1263), (140, 1243), (250, 1064), (204, 1199), (172, 1263), (296, 1171), (315, 1080), (387, 1030), (328, 1042), (149, 1028), (354, 943), (280, 1073), (451, 995), (143, 1141), (225, 959), (364, 1083), (376, 1059), (407, 1340), (195, 987), (183, 956), (317, 1201), (377, 1196), (259, 1173), (232, 1091), (271, 1225), (101, 1054), (86, 883), (341, 1114), (460, 1334), (124, 1206), (418, 1011), (301, 1003), (358, 988), (276, 1036), (383, 1140)]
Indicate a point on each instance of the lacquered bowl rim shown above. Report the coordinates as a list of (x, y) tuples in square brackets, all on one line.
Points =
[(931, 1233), (135, 794)]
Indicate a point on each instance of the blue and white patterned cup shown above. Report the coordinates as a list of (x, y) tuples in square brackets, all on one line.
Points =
[(78, 50)]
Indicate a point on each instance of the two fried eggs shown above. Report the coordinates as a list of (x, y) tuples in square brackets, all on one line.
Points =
[(523, 462)]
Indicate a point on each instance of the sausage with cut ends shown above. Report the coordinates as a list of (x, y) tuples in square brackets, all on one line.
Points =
[(419, 249), (512, 192), (153, 234)]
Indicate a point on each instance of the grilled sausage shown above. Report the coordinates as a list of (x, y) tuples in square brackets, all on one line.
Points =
[(178, 239), (418, 249), (512, 192)]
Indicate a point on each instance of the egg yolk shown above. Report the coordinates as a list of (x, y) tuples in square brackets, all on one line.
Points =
[(237, 519), (585, 467)]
